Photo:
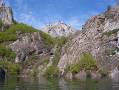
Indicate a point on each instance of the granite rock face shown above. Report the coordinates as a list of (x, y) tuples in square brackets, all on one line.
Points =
[(26, 45), (99, 36), (58, 29), (6, 14)]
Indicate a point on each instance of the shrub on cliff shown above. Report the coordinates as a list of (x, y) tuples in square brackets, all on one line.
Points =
[(51, 71), (1, 23), (10, 67), (74, 68), (7, 53), (61, 41), (86, 62), (112, 32), (47, 39)]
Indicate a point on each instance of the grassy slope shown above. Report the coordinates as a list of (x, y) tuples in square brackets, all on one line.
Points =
[(10, 34)]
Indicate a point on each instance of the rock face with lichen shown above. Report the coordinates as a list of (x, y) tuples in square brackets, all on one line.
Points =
[(99, 36)]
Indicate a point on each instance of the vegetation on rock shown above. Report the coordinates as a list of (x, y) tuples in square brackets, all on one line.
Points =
[(1, 23), (47, 39), (7, 53), (112, 32), (51, 71), (23, 28), (60, 42), (87, 62), (11, 33), (10, 67)]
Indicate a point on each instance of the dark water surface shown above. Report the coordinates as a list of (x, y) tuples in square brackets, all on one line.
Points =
[(13, 83)]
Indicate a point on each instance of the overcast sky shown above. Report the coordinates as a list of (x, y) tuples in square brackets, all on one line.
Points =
[(73, 12)]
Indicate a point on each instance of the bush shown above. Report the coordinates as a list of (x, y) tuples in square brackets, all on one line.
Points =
[(113, 32), (10, 67), (51, 71), (6, 52), (74, 68), (86, 62), (61, 41), (47, 39), (1, 23)]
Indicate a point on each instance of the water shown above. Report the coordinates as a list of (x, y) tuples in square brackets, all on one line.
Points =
[(13, 83)]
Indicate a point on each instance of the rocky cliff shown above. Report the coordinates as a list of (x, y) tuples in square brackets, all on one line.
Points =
[(8, 16), (99, 37), (59, 29), (27, 45)]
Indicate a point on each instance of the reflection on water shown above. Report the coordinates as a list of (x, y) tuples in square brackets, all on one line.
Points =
[(13, 83)]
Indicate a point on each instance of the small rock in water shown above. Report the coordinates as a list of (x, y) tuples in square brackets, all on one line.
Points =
[(69, 75), (81, 76), (114, 75), (95, 76)]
